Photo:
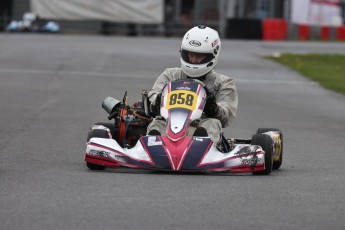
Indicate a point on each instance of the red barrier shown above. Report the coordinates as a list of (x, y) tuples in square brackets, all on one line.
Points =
[(274, 29), (325, 32), (283, 29), (303, 32), (268, 32), (340, 33)]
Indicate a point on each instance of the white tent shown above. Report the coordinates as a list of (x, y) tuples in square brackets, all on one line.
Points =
[(133, 11)]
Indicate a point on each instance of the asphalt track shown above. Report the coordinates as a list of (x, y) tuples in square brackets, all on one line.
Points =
[(51, 89)]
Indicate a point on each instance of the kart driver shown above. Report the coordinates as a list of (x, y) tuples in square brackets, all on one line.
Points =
[(200, 51)]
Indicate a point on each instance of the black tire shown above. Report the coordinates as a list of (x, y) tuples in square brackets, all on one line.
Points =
[(264, 130), (266, 143), (278, 163), (111, 126), (96, 133), (95, 167)]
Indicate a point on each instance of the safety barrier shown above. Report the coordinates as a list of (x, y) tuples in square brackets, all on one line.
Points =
[(340, 34), (325, 33), (275, 29), (279, 29), (303, 32)]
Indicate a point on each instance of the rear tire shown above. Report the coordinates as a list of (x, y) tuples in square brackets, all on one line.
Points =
[(266, 144), (100, 134), (278, 163)]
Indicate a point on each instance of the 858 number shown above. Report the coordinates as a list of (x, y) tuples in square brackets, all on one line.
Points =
[(181, 99)]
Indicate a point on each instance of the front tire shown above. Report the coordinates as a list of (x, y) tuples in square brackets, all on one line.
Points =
[(95, 167), (100, 134), (266, 144)]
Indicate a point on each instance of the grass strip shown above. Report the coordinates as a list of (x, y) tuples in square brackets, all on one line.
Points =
[(327, 69)]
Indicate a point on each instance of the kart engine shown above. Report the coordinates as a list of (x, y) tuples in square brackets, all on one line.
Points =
[(132, 124), (130, 121)]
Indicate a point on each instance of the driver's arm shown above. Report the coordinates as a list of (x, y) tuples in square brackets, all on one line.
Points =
[(227, 101), (162, 80)]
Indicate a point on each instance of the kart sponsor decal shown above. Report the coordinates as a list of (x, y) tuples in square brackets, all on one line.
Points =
[(153, 140), (195, 43), (245, 150), (181, 99), (105, 154), (248, 156), (184, 88), (121, 158), (117, 155), (99, 153), (252, 161), (198, 139), (181, 83)]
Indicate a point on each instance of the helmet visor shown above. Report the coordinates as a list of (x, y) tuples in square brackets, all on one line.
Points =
[(196, 58)]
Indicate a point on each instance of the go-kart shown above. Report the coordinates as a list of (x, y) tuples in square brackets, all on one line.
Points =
[(31, 23), (124, 143)]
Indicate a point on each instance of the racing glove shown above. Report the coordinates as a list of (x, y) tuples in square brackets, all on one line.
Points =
[(156, 106), (211, 108)]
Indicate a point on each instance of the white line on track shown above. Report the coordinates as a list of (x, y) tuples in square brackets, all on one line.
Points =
[(141, 75), (81, 73), (270, 81)]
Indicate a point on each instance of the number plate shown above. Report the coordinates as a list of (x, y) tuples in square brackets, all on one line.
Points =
[(181, 99)]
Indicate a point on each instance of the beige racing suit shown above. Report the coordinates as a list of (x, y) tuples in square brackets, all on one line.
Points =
[(223, 88)]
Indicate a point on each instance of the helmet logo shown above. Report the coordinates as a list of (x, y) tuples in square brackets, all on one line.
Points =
[(194, 43), (215, 43)]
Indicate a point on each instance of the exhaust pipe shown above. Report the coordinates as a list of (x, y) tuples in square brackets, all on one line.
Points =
[(111, 105)]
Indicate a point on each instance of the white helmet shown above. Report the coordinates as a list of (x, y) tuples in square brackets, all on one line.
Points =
[(200, 39)]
